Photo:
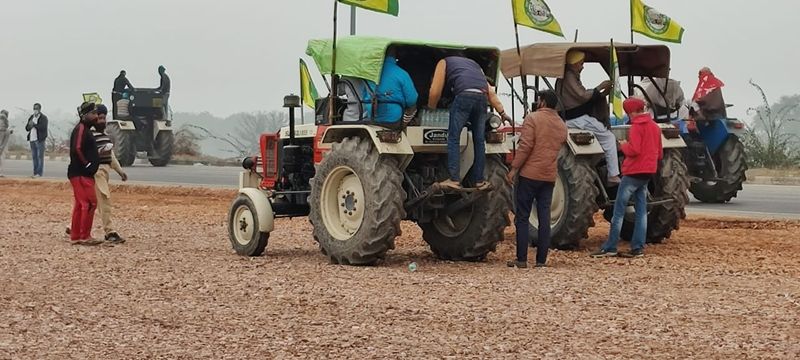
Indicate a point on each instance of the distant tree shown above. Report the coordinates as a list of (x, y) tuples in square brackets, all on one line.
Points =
[(252, 125), (187, 141), (768, 142)]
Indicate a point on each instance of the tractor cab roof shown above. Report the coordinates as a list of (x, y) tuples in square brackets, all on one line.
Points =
[(363, 57), (549, 59)]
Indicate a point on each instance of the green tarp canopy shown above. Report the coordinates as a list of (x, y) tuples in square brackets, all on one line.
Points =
[(360, 56)]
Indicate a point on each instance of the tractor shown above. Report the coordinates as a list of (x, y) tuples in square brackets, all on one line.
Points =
[(582, 188), (142, 123), (357, 179)]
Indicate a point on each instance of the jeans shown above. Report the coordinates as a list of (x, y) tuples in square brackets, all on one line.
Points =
[(637, 188), (37, 153), (604, 136), (526, 192), (467, 107)]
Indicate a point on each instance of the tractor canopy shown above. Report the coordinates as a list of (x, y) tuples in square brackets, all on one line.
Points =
[(363, 57), (549, 59)]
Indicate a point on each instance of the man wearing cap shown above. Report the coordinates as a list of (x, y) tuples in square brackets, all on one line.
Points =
[(108, 161), (579, 103), (642, 154), (121, 86), (83, 163), (464, 78)]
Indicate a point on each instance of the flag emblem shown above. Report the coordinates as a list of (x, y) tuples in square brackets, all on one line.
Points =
[(656, 21), (539, 12)]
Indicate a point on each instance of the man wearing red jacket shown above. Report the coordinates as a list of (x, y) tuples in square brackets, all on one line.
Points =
[(83, 164), (642, 155)]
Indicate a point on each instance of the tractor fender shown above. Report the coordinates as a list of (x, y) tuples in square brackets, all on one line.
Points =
[(125, 125), (266, 218), (674, 143), (335, 134), (593, 148), (163, 125)]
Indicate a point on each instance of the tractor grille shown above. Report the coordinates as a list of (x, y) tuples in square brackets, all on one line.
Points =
[(269, 156)]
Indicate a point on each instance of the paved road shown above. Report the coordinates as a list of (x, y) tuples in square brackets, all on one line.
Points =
[(765, 201)]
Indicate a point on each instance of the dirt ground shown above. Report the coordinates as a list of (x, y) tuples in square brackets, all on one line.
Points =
[(719, 289)]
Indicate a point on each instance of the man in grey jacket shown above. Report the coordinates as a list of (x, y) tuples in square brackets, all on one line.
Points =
[(37, 134), (5, 134)]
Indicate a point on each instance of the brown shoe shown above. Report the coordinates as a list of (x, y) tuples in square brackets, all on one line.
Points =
[(483, 185), (87, 242), (450, 184)]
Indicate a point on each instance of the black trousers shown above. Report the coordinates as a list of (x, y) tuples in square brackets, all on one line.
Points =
[(526, 193)]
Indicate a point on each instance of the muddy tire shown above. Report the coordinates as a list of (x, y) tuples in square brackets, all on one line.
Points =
[(162, 148), (672, 182), (356, 203), (124, 143), (573, 206), (731, 167), (473, 232), (243, 228)]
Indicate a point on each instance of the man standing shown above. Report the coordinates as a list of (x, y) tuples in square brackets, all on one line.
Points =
[(37, 134), (108, 161), (642, 154), (164, 88), (579, 104), (83, 164), (536, 162), (121, 85), (465, 79), (5, 134)]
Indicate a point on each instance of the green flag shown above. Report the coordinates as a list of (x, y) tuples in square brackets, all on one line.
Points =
[(308, 92), (390, 7), (536, 14), (92, 98), (616, 94)]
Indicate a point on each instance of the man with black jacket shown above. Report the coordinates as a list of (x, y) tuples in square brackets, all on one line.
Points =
[(83, 164), (37, 134)]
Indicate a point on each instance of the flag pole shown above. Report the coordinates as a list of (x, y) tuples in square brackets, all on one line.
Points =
[(630, 56), (332, 99), (521, 74), (352, 20)]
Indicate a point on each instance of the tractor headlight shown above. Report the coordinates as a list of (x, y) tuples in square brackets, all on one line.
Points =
[(495, 122)]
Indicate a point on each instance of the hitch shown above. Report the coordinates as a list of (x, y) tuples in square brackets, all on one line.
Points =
[(469, 195)]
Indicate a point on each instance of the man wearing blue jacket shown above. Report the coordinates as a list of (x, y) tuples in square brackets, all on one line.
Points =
[(395, 96)]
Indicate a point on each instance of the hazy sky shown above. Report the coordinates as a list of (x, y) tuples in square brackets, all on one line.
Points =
[(241, 55)]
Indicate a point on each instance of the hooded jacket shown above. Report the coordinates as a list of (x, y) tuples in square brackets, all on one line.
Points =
[(643, 150)]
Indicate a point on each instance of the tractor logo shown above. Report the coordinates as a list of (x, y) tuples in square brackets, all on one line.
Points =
[(434, 137), (656, 21), (538, 12)]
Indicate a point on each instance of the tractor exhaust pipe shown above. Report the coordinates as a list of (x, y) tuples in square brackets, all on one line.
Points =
[(290, 102)]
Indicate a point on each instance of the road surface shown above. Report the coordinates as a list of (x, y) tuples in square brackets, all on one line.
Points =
[(764, 201)]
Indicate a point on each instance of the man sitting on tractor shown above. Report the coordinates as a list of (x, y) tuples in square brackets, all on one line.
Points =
[(395, 97), (472, 94), (579, 103)]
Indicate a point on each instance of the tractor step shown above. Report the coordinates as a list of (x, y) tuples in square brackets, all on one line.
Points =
[(650, 203)]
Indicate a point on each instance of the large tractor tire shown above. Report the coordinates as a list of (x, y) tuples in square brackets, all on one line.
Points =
[(243, 228), (473, 232), (731, 167), (356, 203), (573, 206), (124, 144), (672, 183), (162, 148)]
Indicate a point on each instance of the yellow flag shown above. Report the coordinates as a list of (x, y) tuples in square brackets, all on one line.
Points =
[(308, 92), (652, 23), (616, 95), (536, 14), (92, 98), (390, 7)]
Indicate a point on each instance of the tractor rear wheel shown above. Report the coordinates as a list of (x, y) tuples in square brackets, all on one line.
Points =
[(573, 205), (162, 148), (474, 231), (356, 203), (731, 167), (672, 183), (124, 143)]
